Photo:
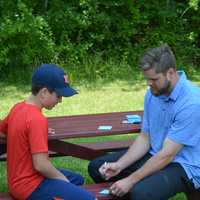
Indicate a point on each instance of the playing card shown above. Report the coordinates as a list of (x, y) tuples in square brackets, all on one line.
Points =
[(104, 127)]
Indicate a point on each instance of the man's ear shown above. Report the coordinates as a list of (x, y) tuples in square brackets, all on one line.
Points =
[(170, 73)]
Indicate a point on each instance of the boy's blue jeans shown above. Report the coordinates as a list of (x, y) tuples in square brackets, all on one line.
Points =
[(50, 189)]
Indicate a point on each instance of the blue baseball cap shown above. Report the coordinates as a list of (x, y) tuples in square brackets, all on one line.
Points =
[(54, 77)]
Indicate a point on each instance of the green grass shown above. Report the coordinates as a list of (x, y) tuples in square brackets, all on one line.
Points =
[(105, 97), (98, 98)]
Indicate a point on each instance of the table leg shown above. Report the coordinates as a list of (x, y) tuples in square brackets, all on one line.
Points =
[(75, 150)]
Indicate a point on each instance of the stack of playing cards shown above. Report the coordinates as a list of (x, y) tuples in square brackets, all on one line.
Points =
[(132, 119), (104, 192)]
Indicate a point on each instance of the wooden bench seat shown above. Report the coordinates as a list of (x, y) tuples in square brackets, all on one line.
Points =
[(5, 196), (93, 188), (96, 188), (108, 146)]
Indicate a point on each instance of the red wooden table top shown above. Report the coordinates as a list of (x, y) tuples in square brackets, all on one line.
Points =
[(87, 125), (77, 126)]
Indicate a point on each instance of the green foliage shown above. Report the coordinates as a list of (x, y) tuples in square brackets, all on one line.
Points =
[(25, 39), (85, 34)]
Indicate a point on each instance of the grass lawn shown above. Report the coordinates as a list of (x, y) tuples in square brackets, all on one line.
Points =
[(103, 97)]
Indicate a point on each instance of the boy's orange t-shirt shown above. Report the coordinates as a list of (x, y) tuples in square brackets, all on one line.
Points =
[(27, 133)]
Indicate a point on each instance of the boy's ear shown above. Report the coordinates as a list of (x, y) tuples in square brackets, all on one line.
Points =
[(43, 92)]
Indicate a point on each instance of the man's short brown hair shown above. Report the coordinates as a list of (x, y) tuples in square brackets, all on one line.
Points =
[(160, 58)]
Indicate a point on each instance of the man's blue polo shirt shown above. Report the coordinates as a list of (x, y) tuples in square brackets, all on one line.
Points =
[(176, 117)]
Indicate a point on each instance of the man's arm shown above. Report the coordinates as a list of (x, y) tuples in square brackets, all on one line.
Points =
[(138, 149), (42, 164), (155, 163), (159, 160)]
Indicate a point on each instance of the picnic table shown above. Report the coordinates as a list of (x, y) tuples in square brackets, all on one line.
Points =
[(80, 126), (68, 127)]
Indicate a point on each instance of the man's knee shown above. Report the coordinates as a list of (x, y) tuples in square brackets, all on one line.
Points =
[(138, 192), (93, 167), (93, 170)]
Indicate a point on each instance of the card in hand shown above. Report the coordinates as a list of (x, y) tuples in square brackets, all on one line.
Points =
[(105, 192)]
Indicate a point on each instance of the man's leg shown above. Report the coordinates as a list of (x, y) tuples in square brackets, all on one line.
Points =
[(94, 166), (161, 185)]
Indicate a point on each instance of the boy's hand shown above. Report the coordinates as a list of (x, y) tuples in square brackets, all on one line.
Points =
[(65, 179), (108, 170), (51, 131), (2, 135)]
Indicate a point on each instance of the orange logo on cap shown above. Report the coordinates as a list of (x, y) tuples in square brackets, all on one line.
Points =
[(66, 78), (57, 198)]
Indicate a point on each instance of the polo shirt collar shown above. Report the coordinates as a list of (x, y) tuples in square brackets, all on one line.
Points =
[(177, 89)]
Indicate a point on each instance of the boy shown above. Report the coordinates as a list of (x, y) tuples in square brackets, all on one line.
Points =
[(30, 173)]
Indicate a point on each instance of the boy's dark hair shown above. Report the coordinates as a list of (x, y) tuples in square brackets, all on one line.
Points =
[(160, 58), (36, 88)]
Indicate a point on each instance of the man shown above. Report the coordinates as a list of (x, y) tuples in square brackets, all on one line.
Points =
[(165, 157), (30, 173)]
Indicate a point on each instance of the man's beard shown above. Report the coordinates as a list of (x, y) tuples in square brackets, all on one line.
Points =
[(163, 91)]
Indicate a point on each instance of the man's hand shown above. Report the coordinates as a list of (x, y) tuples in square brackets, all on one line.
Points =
[(122, 186), (108, 170)]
